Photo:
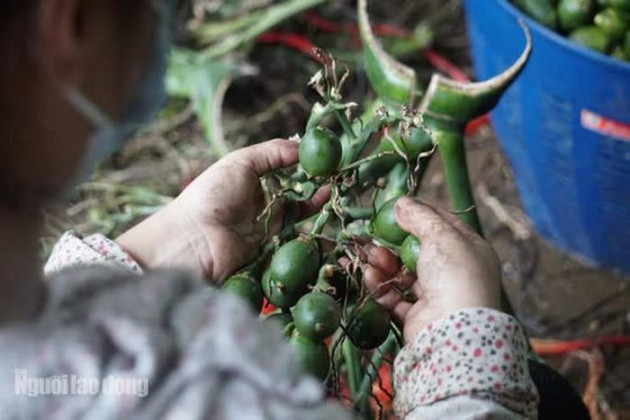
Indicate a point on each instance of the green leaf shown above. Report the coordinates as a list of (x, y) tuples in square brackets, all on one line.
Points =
[(203, 82), (394, 82), (264, 21)]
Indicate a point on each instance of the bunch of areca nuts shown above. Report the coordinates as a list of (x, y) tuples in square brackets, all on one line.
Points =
[(333, 321), (314, 297)]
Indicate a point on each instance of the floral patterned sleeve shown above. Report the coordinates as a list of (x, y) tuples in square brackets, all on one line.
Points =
[(72, 249), (471, 364)]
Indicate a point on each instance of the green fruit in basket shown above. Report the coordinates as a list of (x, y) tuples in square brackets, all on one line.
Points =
[(246, 287), (292, 269), (592, 37), (320, 152), (384, 225), (409, 252), (613, 22), (618, 4), (312, 355), (575, 13), (542, 11), (369, 325), (316, 316)]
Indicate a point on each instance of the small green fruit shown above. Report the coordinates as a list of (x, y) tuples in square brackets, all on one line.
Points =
[(246, 287), (409, 252), (384, 225), (316, 316), (313, 356), (320, 152), (292, 269), (592, 37), (613, 22), (617, 4), (575, 13), (369, 325)]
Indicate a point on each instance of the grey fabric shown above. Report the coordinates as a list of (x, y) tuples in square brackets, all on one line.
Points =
[(204, 354)]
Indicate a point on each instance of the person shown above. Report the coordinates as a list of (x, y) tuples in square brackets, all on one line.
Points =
[(79, 76)]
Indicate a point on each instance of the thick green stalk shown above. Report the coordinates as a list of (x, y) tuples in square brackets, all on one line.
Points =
[(372, 370), (322, 219), (358, 213), (449, 137), (366, 126), (346, 126), (396, 185), (394, 82), (352, 360)]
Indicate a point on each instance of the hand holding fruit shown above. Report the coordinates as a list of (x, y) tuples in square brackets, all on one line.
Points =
[(212, 228), (456, 269)]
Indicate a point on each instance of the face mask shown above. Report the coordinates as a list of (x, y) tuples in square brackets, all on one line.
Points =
[(109, 135)]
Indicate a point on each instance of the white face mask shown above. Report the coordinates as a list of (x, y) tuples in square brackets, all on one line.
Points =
[(109, 135)]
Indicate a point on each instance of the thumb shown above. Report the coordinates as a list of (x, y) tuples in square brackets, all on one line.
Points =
[(421, 220), (267, 157)]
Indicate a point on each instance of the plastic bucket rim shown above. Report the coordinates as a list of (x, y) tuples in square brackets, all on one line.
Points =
[(562, 40)]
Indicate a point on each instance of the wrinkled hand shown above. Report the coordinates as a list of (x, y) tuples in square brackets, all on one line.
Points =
[(212, 227), (457, 269)]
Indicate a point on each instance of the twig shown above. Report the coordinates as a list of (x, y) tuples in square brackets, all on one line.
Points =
[(517, 225), (595, 361), (363, 161)]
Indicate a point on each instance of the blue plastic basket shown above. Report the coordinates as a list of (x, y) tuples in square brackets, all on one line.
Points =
[(565, 128)]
